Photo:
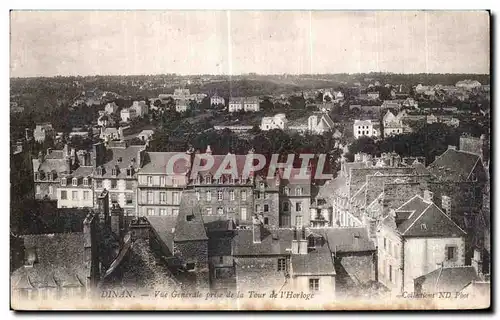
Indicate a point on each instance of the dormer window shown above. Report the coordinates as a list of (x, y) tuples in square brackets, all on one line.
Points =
[(100, 171), (198, 180), (75, 182), (190, 217), (114, 171), (221, 180), (298, 191), (262, 185), (49, 176), (63, 182), (208, 180), (286, 191), (86, 182), (130, 171)]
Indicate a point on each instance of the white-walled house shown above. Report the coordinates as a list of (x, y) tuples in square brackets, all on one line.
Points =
[(416, 239), (318, 124), (279, 121), (366, 128), (247, 104)]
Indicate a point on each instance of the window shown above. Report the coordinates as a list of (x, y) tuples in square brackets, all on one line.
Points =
[(151, 212), (86, 195), (257, 194), (64, 195), (390, 273), (220, 211), (298, 191), (298, 221), (150, 180), (114, 184), (314, 284), (286, 191), (163, 181), (243, 213), (74, 195), (451, 253), (198, 180), (385, 244), (286, 206), (174, 182), (114, 171), (100, 171), (74, 182), (63, 182), (98, 184), (298, 206), (51, 189), (208, 196), (37, 176), (209, 211), (266, 221), (243, 195), (86, 182), (129, 199), (163, 197), (38, 189), (208, 180), (231, 195), (175, 212), (281, 264), (266, 208), (129, 184), (220, 195), (198, 195), (176, 197), (150, 197), (221, 180), (221, 260), (163, 212)]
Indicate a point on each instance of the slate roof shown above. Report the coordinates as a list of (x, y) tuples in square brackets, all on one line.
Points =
[(452, 279), (453, 165), (342, 240), (190, 225), (318, 262), (273, 242), (59, 261), (156, 163), (427, 220), (163, 226), (126, 155), (240, 161)]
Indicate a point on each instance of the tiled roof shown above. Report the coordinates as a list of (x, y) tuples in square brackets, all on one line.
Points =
[(60, 261), (318, 262), (427, 220), (156, 162), (453, 165), (273, 242), (125, 155), (190, 225), (346, 239), (164, 227), (452, 279), (219, 160)]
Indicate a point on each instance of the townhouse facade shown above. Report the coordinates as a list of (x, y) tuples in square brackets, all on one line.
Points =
[(366, 128), (247, 104)]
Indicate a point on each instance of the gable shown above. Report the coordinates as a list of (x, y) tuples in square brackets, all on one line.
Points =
[(433, 223)]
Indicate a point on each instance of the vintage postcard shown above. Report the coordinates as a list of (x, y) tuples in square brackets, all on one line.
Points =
[(250, 160)]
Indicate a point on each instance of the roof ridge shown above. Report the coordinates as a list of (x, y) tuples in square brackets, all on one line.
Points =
[(411, 225), (439, 209)]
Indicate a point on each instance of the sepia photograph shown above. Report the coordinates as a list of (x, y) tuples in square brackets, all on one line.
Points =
[(250, 160)]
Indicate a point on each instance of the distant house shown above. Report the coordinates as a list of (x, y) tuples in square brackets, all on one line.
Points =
[(250, 104), (366, 128), (390, 104), (393, 125), (140, 108), (108, 134), (279, 121), (181, 105), (318, 124), (145, 135), (373, 95), (42, 131), (111, 108), (468, 84), (217, 100), (431, 119), (103, 120), (128, 114)]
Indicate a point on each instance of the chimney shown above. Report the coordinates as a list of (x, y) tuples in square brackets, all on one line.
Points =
[(257, 230), (98, 154), (117, 222), (209, 150), (428, 196), (103, 206), (66, 150), (140, 158), (303, 242), (91, 249), (120, 133)]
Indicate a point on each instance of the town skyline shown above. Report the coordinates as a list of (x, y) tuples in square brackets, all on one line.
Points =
[(89, 43)]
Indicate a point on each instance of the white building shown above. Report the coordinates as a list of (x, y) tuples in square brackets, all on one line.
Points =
[(250, 104), (393, 125), (366, 128), (279, 121), (181, 105), (127, 114), (76, 189), (110, 108), (140, 107), (318, 124), (217, 100)]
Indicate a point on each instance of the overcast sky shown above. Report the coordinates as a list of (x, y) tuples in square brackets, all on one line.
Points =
[(49, 43)]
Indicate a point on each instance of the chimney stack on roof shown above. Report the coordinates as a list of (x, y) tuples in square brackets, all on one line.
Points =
[(257, 230), (428, 196)]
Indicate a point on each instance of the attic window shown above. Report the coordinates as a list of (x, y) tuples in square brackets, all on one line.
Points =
[(100, 171), (75, 182), (190, 217), (63, 182), (85, 182), (423, 226), (114, 171)]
